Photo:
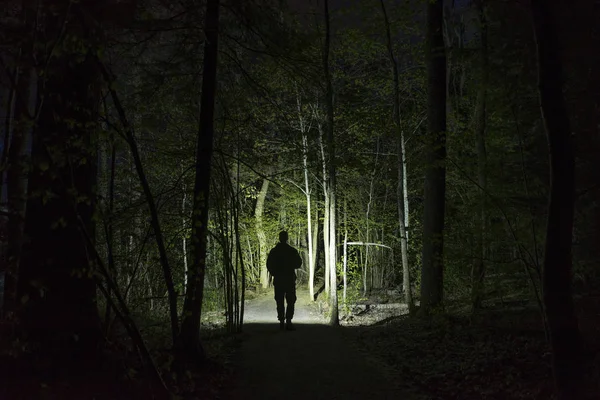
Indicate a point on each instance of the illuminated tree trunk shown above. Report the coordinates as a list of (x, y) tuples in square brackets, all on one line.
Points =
[(333, 300), (326, 208), (315, 236), (432, 275), (192, 308), (367, 232), (345, 270), (260, 233), (558, 300), (184, 239), (307, 193)]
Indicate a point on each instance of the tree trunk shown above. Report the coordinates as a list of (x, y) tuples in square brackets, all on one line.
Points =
[(326, 208), (184, 239), (307, 192), (367, 232), (402, 181), (17, 181), (405, 185), (478, 273), (315, 236), (345, 270), (558, 301), (435, 178), (260, 234), (8, 92), (110, 227), (192, 308), (56, 280), (154, 219), (333, 300)]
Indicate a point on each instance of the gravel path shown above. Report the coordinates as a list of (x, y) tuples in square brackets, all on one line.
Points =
[(314, 362)]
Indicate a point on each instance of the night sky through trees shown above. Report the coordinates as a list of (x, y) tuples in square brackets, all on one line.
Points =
[(434, 164)]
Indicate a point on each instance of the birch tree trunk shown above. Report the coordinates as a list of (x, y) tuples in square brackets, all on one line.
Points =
[(333, 300), (325, 208), (345, 249), (315, 236), (260, 233), (307, 193), (184, 239)]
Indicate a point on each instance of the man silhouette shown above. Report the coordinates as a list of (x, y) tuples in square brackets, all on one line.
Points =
[(282, 263)]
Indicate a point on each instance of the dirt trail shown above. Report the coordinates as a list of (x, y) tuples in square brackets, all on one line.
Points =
[(314, 362)]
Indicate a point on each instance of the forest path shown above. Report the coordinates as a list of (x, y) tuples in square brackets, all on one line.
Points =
[(314, 362)]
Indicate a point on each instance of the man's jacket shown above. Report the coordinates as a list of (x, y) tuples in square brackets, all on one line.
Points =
[(282, 262)]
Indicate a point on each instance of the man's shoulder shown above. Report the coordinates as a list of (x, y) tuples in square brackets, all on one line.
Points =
[(290, 248)]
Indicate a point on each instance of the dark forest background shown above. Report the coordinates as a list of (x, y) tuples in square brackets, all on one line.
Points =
[(445, 153)]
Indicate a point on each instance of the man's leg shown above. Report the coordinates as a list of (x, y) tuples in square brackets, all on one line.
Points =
[(290, 298), (279, 298)]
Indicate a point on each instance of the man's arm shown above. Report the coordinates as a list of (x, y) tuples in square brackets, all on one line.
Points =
[(298, 260), (270, 263)]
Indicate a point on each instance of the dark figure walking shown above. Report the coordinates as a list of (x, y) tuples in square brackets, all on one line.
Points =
[(282, 263)]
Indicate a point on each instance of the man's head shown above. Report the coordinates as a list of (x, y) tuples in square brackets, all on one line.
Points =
[(283, 237)]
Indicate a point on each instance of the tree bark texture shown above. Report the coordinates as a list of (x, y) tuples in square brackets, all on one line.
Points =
[(478, 274), (402, 205), (18, 166), (333, 300), (556, 280), (432, 274), (192, 308), (56, 289), (260, 233)]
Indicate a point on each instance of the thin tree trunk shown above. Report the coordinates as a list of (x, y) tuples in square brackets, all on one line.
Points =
[(366, 265), (405, 185), (250, 253), (333, 300), (432, 274), (478, 273), (260, 233), (307, 192), (110, 228), (184, 239), (315, 236), (325, 209), (154, 219), (242, 268), (402, 179), (367, 238), (192, 308), (558, 300), (17, 180), (345, 248), (184, 216), (7, 104)]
